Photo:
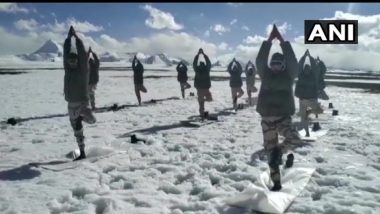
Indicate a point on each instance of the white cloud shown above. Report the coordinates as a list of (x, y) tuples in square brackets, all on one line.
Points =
[(58, 27), (219, 29), (34, 34), (351, 7), (281, 28), (244, 27), (83, 27), (223, 46), (26, 24), (255, 40), (225, 59), (172, 43), (160, 20), (207, 33), (362, 56), (233, 21), (109, 43), (14, 44), (12, 8), (234, 4)]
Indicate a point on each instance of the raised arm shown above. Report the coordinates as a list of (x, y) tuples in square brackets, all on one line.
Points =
[(66, 51), (140, 65), (96, 59), (314, 68), (134, 63), (247, 65), (254, 69), (301, 63), (240, 68), (229, 68), (82, 54), (88, 53), (179, 64), (195, 62), (290, 59), (262, 58), (323, 67), (208, 62)]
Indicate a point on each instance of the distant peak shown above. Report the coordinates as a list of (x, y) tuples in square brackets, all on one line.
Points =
[(50, 46)]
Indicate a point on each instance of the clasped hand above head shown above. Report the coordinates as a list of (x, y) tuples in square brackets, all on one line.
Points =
[(275, 34)]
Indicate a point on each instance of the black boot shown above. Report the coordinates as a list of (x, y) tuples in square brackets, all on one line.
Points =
[(205, 115), (235, 103), (275, 160), (12, 121), (183, 93), (82, 154), (289, 160), (316, 127), (307, 131), (134, 139)]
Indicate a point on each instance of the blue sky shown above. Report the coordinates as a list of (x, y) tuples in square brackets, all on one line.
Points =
[(225, 29), (126, 20)]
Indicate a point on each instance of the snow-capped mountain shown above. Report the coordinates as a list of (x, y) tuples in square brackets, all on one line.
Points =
[(50, 46), (130, 55), (109, 57), (52, 51), (49, 51), (175, 61), (158, 59), (217, 64)]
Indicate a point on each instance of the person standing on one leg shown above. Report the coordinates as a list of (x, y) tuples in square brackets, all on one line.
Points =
[(307, 90), (276, 99), (321, 68), (138, 78), (94, 76), (76, 80), (250, 73), (182, 77), (235, 70), (202, 81)]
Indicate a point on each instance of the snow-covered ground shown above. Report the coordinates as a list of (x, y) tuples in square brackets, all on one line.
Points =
[(179, 170)]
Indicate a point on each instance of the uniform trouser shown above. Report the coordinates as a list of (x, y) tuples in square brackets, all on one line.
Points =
[(322, 95), (79, 111), (272, 126), (251, 89), (184, 86), (91, 92), (138, 88), (308, 104), (236, 93), (203, 95)]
